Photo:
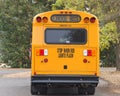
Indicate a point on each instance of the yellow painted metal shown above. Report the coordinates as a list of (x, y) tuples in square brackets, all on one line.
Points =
[(55, 65)]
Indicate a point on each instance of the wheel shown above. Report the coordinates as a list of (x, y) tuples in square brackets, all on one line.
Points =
[(86, 91), (91, 90), (38, 90), (33, 90), (42, 90), (82, 91)]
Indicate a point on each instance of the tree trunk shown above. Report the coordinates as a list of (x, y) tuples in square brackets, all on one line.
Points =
[(118, 46), (118, 57)]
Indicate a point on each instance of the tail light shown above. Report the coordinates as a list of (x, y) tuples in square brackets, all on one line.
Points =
[(41, 52), (89, 52), (96, 74), (92, 20), (85, 60), (38, 19), (34, 73), (45, 60)]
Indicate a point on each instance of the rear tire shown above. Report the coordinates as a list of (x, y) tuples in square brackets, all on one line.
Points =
[(91, 90), (33, 90), (43, 91), (86, 91), (38, 90)]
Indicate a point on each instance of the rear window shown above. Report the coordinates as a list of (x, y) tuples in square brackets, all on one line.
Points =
[(66, 36)]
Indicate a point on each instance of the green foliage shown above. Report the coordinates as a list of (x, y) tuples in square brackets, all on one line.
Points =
[(108, 56), (68, 4), (108, 30), (108, 40), (108, 36), (15, 26), (16, 18)]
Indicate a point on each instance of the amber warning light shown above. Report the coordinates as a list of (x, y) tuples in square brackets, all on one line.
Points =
[(44, 19), (91, 20)]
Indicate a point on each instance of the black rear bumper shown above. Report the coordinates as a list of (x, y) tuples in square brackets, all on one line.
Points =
[(65, 80)]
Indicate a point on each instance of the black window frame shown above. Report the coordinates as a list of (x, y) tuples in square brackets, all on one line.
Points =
[(81, 43)]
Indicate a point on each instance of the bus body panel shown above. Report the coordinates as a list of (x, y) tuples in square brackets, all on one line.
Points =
[(75, 64), (64, 64), (57, 61)]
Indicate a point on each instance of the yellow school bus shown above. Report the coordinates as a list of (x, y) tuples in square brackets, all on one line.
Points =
[(65, 51)]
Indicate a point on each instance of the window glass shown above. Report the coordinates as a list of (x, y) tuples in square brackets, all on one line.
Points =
[(66, 36)]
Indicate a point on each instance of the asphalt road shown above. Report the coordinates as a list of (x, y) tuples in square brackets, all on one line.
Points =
[(21, 86)]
